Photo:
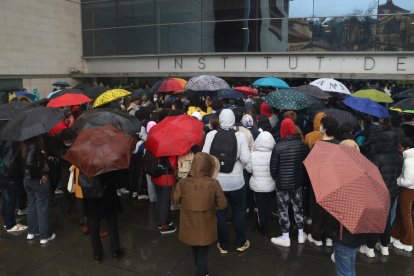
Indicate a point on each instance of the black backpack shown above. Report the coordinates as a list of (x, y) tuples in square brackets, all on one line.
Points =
[(156, 166), (224, 148)]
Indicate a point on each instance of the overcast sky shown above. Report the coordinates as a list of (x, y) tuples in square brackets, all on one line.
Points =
[(304, 8)]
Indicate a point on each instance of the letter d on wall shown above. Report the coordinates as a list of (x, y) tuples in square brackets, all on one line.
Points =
[(369, 63)]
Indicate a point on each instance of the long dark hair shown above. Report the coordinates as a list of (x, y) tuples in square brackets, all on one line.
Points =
[(38, 141)]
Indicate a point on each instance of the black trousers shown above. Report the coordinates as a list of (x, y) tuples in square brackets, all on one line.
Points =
[(318, 218), (200, 254), (163, 202), (95, 226), (264, 206)]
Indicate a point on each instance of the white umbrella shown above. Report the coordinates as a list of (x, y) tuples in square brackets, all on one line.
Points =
[(331, 85)]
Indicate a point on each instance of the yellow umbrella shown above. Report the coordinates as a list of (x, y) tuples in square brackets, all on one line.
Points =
[(110, 96), (373, 94)]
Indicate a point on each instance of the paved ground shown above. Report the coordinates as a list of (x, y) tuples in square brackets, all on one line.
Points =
[(147, 253)]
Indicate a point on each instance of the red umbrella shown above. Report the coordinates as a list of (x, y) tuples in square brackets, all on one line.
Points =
[(349, 187), (101, 149), (247, 91), (175, 135), (69, 100)]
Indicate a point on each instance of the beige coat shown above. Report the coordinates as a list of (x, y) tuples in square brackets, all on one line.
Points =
[(199, 196)]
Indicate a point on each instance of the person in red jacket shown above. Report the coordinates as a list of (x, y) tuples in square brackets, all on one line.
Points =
[(163, 188)]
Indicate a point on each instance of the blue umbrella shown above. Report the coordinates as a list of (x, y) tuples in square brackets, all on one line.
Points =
[(271, 82), (366, 106), (61, 84), (26, 94)]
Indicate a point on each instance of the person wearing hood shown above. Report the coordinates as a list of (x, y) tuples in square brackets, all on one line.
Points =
[(389, 162), (248, 122), (403, 233), (261, 181), (231, 181), (199, 195), (288, 171), (316, 135), (266, 110)]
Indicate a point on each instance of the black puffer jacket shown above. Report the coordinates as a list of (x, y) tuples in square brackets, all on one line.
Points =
[(286, 163), (388, 160)]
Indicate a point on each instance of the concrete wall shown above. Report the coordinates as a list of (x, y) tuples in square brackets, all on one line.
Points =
[(40, 41)]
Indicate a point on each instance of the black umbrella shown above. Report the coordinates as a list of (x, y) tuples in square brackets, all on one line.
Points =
[(10, 110), (66, 91), (409, 93), (141, 92), (100, 117), (32, 122), (61, 84), (82, 86), (95, 91), (315, 105), (341, 116), (406, 106), (313, 91)]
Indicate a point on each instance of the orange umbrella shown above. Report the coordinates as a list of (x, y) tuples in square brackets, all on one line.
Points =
[(349, 187), (169, 85)]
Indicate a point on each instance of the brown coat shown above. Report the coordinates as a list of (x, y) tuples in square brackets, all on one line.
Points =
[(199, 196)]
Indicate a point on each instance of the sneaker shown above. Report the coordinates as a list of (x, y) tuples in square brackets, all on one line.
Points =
[(397, 244), (175, 207), (383, 249), (244, 247), (143, 197), (367, 251), (58, 191), (328, 242), (315, 242), (308, 221), (170, 223), (17, 228), (51, 238), (134, 194), (333, 257), (302, 238), (281, 241), (22, 212), (222, 251), (167, 229), (31, 236), (118, 193), (124, 191)]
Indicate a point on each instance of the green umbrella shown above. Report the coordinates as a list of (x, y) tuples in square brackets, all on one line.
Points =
[(289, 99), (406, 106), (373, 94)]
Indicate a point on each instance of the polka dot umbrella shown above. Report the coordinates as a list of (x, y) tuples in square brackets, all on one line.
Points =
[(288, 99), (110, 96)]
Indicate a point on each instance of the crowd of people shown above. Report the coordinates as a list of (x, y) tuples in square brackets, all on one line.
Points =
[(250, 161)]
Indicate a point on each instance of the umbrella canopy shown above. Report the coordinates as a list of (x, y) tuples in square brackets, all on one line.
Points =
[(82, 86), (331, 85), (409, 93), (141, 92), (366, 106), (63, 92), (95, 91), (61, 84), (313, 91), (247, 90), (26, 94), (373, 94), (31, 122), (100, 117), (206, 83), (68, 100), (271, 82), (175, 135), (9, 110), (228, 94), (110, 96), (288, 99), (349, 187), (99, 150), (406, 106), (341, 116), (169, 85)]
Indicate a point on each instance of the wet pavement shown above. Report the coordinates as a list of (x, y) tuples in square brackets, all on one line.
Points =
[(149, 253)]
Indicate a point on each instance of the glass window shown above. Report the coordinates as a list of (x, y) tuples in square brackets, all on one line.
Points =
[(324, 8), (177, 11), (300, 34), (395, 6), (104, 14), (87, 41), (216, 10), (395, 33), (179, 38), (300, 8), (135, 40), (105, 42), (135, 13), (87, 17)]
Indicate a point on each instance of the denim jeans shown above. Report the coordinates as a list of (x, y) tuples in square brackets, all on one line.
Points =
[(8, 206), (163, 203), (237, 202), (38, 209), (345, 259)]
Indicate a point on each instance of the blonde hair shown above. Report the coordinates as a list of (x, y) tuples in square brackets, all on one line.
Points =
[(350, 143)]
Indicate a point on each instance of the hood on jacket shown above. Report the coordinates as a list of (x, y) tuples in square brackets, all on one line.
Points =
[(317, 120), (264, 142), (287, 128), (204, 165), (227, 119), (266, 110), (386, 142), (150, 125), (409, 153)]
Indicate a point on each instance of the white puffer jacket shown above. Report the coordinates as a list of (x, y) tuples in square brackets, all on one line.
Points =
[(261, 181), (406, 179)]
